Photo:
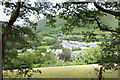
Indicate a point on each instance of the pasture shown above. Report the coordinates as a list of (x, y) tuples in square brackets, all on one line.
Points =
[(77, 71)]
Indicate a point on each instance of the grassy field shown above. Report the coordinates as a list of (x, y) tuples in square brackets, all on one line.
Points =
[(19, 51), (47, 38), (79, 71), (44, 47)]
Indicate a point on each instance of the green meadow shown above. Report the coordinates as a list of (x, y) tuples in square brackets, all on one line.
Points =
[(77, 71)]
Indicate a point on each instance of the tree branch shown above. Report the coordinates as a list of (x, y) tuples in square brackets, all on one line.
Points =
[(31, 8), (80, 2), (100, 8), (105, 29), (106, 11)]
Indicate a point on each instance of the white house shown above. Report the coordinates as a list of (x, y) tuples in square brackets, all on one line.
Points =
[(43, 54), (48, 50), (30, 50), (58, 51)]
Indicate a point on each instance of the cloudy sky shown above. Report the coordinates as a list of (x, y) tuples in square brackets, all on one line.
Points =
[(3, 16)]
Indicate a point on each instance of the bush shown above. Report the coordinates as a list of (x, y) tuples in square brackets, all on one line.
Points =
[(26, 60), (64, 56), (23, 50), (8, 63), (89, 55), (13, 61)]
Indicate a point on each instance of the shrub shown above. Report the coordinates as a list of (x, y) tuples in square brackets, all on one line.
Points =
[(23, 50), (26, 60), (8, 63), (89, 55), (64, 56)]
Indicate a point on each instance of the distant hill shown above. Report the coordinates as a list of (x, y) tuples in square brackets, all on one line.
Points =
[(109, 20), (41, 28)]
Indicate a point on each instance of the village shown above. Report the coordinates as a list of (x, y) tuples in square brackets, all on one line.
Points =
[(70, 45)]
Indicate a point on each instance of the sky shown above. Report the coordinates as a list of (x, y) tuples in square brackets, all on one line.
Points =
[(3, 16)]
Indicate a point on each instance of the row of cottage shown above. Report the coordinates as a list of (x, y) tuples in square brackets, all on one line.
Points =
[(76, 44)]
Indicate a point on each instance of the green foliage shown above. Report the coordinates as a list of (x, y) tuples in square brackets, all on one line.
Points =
[(22, 61), (65, 56), (25, 60), (50, 42), (18, 34), (49, 56), (57, 45), (38, 53), (89, 56), (110, 53), (42, 50), (78, 14), (75, 49), (49, 59), (24, 50), (8, 60), (36, 43)]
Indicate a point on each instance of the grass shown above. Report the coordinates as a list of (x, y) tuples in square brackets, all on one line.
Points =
[(65, 36), (19, 51), (54, 35), (80, 36), (43, 46), (47, 38), (72, 72), (35, 65)]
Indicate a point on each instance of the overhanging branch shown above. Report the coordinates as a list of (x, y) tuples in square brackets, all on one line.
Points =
[(105, 29), (31, 8), (100, 8), (80, 2), (106, 11)]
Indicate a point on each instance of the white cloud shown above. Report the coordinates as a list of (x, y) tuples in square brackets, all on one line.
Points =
[(91, 5), (3, 16)]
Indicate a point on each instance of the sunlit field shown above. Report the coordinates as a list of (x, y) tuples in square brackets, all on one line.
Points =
[(79, 71)]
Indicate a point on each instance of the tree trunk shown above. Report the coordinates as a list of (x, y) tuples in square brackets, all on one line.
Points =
[(1, 74), (6, 33), (100, 73), (8, 28), (1, 25)]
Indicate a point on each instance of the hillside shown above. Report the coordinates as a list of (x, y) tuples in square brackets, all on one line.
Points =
[(109, 20), (49, 35)]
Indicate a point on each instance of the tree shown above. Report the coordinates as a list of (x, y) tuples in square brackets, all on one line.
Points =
[(65, 56), (89, 55), (77, 14), (20, 10)]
